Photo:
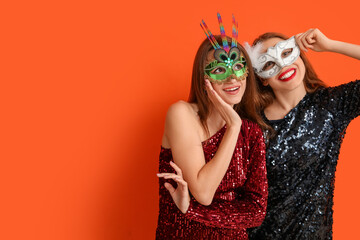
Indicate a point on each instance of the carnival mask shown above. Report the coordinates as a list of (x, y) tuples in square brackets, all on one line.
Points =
[(268, 64), (229, 62)]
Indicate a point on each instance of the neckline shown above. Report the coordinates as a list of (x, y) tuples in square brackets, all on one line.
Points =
[(215, 134), (206, 140), (288, 114)]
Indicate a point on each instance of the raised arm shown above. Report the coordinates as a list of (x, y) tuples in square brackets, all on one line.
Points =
[(182, 134), (315, 40), (247, 210)]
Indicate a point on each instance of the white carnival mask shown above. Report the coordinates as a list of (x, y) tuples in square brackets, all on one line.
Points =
[(268, 64)]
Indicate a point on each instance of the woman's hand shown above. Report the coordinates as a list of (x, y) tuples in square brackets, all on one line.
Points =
[(180, 195), (315, 40), (226, 111)]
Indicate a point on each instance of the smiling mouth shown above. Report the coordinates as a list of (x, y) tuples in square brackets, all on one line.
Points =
[(233, 89), (288, 75)]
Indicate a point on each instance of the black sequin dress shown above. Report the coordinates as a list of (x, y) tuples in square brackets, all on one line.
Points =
[(301, 163)]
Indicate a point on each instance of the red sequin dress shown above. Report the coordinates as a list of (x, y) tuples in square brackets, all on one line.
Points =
[(239, 202)]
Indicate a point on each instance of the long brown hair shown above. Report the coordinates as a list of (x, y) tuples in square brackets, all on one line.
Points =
[(311, 80), (249, 104)]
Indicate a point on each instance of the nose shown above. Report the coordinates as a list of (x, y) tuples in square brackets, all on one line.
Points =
[(232, 79)]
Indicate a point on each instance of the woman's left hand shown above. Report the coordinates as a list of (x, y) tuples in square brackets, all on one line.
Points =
[(180, 195), (313, 39)]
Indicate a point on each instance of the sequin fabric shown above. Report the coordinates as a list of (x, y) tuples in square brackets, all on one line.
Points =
[(301, 163), (239, 202)]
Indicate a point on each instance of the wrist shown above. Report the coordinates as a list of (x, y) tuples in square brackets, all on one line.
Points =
[(186, 207), (234, 126), (334, 46)]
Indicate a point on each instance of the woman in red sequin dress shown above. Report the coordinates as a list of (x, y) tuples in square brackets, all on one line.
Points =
[(217, 143)]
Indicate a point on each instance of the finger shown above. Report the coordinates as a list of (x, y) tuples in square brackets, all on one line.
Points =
[(165, 175), (161, 174), (297, 37), (171, 176), (311, 38), (177, 169), (209, 88), (181, 183), (169, 187), (305, 42), (300, 43), (308, 38), (208, 85), (213, 96)]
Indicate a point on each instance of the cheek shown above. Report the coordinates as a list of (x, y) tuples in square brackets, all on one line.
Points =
[(301, 64), (269, 81), (217, 87), (302, 70), (243, 86)]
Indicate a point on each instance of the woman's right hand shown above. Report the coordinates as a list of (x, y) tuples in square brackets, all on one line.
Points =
[(315, 40), (226, 111), (180, 195)]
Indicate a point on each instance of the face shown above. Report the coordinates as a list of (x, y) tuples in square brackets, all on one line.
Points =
[(232, 88), (284, 70)]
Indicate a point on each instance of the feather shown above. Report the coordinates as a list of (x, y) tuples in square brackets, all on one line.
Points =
[(254, 53), (222, 32)]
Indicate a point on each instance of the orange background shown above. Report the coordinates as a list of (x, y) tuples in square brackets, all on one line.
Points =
[(85, 86)]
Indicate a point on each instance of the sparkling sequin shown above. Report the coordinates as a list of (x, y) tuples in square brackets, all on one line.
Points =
[(301, 163), (239, 202)]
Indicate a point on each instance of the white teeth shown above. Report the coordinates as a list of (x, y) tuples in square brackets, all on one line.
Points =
[(231, 89), (288, 74)]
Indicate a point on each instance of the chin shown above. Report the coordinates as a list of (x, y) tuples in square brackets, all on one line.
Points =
[(233, 101)]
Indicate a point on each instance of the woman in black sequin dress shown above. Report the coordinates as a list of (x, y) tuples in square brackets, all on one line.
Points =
[(309, 122)]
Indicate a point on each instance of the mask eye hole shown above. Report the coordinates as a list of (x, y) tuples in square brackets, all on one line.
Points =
[(238, 66), (218, 70), (268, 66), (223, 57), (233, 56), (286, 52)]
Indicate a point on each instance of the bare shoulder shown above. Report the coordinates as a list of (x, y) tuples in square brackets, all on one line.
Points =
[(181, 118), (180, 109), (181, 113)]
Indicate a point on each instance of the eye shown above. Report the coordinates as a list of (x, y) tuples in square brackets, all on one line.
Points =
[(238, 66), (218, 70), (286, 52), (268, 65)]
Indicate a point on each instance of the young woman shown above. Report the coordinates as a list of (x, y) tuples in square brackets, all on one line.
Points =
[(220, 150), (308, 123)]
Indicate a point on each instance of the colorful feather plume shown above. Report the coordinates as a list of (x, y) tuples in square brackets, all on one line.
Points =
[(223, 36), (209, 35)]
